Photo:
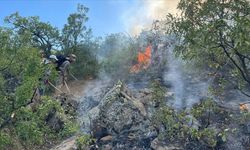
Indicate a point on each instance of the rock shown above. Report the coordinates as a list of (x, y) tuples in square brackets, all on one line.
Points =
[(69, 103), (145, 91), (121, 121), (247, 127), (107, 147), (98, 131), (193, 122), (68, 144), (54, 121), (106, 138), (158, 145), (169, 94)]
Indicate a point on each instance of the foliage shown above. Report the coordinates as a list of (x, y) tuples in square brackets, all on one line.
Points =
[(21, 69), (75, 29), (182, 127), (4, 140), (116, 55), (214, 33), (31, 126), (70, 128), (158, 92), (30, 132), (83, 141), (43, 35), (86, 63), (22, 72), (174, 128), (206, 136), (46, 106), (76, 38), (203, 111)]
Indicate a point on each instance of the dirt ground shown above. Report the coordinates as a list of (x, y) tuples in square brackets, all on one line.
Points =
[(76, 88), (66, 145)]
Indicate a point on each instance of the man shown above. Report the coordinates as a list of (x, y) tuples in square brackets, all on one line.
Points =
[(64, 67), (44, 80)]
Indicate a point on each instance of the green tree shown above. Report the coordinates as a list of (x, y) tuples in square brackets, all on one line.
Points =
[(116, 52), (43, 35), (19, 73), (75, 31), (215, 33), (77, 38)]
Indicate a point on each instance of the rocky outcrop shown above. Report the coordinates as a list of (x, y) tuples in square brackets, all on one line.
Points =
[(69, 104), (123, 118)]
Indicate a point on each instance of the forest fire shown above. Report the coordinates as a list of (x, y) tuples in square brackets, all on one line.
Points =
[(143, 60)]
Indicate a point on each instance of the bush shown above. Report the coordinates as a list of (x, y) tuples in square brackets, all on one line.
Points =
[(177, 128), (158, 93), (4, 140), (69, 129), (29, 132), (83, 141)]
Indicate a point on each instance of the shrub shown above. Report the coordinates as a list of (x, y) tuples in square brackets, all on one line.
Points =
[(83, 141)]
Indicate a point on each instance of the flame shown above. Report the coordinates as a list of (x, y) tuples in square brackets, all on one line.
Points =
[(143, 60), (244, 107)]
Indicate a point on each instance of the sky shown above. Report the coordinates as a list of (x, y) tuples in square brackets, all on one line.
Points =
[(105, 16)]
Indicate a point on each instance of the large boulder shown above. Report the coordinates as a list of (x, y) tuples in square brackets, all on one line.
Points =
[(123, 118)]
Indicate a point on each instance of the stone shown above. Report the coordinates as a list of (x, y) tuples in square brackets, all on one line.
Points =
[(156, 144), (106, 138), (121, 121)]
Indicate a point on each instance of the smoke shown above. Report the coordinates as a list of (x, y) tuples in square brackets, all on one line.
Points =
[(189, 85), (142, 14)]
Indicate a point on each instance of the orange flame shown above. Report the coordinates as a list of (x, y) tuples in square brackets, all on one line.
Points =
[(143, 60), (244, 107)]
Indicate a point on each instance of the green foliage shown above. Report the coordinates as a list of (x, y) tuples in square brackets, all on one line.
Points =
[(47, 105), (4, 140), (179, 126), (204, 108), (77, 39), (206, 136), (21, 72), (83, 141), (75, 30), (214, 34), (70, 128), (158, 92), (172, 121), (116, 55), (42, 35), (29, 132), (20, 69), (86, 63), (224, 133)]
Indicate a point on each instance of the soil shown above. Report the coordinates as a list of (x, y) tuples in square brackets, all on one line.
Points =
[(68, 144)]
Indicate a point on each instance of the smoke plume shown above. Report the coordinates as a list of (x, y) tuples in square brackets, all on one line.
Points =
[(143, 13)]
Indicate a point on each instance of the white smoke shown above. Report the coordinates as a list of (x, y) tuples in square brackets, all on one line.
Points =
[(187, 84), (142, 14)]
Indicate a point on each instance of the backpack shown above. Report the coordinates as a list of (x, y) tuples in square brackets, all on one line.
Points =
[(60, 61)]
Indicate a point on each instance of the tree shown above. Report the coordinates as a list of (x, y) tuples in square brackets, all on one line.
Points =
[(215, 33), (116, 53), (21, 115), (43, 35), (77, 38), (75, 31)]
